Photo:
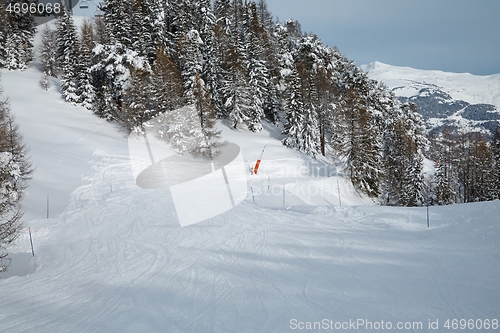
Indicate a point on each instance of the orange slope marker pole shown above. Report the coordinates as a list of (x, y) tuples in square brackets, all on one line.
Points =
[(257, 164)]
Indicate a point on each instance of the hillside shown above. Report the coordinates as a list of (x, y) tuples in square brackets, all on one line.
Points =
[(463, 100)]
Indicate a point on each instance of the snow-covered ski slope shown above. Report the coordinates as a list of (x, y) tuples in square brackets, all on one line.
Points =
[(118, 261), (112, 257)]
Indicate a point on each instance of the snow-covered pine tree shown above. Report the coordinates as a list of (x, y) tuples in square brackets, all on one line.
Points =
[(237, 17), (413, 191), (68, 48), (313, 61), (443, 191), (237, 90), (17, 31), (326, 101), (218, 68), (184, 17), (281, 65), (48, 51), (152, 27), (211, 65), (15, 171), (403, 145), (110, 75), (190, 60), (394, 163), (223, 12), (257, 70), (294, 107), (176, 126), (206, 136), (86, 90), (137, 104), (118, 20), (5, 31), (140, 37), (310, 132)]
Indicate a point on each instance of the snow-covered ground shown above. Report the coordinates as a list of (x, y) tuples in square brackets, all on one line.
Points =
[(112, 257)]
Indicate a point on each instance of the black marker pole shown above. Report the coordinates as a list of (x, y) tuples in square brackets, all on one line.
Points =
[(31, 241)]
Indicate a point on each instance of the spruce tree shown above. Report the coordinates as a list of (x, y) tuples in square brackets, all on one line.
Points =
[(258, 71), (68, 52), (190, 60), (118, 20), (294, 122), (237, 91), (85, 90)]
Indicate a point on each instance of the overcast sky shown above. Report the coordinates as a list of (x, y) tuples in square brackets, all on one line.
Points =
[(450, 35)]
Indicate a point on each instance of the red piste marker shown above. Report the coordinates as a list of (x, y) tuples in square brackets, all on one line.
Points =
[(257, 164)]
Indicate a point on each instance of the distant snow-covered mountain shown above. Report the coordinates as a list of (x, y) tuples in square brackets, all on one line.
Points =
[(460, 100)]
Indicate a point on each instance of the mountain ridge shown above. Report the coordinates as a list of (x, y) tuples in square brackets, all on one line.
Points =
[(462, 100)]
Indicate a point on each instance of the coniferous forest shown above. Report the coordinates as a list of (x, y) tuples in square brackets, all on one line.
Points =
[(188, 63)]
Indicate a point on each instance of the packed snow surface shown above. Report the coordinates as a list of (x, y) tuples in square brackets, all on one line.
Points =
[(302, 247)]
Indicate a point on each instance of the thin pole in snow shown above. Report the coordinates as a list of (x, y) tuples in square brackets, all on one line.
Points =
[(338, 189), (427, 204), (253, 198), (268, 181), (283, 194), (31, 241), (47, 206), (111, 186)]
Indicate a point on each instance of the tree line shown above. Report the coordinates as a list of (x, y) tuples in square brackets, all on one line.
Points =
[(15, 171), (187, 63)]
